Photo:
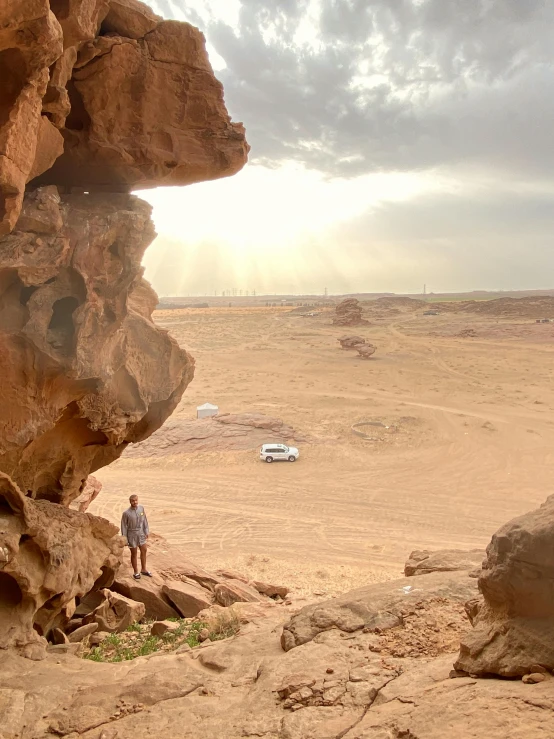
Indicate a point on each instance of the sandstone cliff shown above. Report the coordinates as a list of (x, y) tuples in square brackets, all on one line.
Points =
[(97, 98)]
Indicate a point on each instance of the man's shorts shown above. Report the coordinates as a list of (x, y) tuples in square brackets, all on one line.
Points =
[(135, 539)]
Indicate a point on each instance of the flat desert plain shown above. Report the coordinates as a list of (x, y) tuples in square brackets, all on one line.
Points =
[(468, 399)]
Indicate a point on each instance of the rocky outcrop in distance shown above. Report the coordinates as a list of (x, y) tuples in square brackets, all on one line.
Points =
[(349, 313), (99, 97)]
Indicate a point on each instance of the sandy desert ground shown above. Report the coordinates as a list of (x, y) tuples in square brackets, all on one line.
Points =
[(471, 442)]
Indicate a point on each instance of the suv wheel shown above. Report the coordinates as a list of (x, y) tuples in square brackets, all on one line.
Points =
[(269, 459), (292, 459)]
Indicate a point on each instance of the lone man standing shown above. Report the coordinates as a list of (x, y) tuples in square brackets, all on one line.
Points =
[(134, 525)]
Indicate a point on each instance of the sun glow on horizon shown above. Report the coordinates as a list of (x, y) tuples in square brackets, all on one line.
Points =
[(260, 228)]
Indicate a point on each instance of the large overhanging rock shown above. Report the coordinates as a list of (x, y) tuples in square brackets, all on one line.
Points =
[(119, 97), (49, 556), (84, 370), (137, 67), (514, 629)]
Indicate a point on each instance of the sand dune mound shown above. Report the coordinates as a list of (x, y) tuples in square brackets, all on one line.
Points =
[(534, 307), (224, 432), (401, 304)]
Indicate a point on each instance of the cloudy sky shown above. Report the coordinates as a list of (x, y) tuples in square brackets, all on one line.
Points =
[(394, 143)]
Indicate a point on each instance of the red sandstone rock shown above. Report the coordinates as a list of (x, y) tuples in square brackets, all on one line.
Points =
[(90, 492), (143, 67), (159, 628), (271, 591), (94, 95), (422, 561), (77, 318), (82, 632), (64, 85), (147, 590), (50, 555), (188, 599), (30, 42), (513, 630), (116, 612), (234, 591)]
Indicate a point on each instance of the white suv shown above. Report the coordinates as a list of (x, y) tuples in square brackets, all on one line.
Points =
[(275, 452)]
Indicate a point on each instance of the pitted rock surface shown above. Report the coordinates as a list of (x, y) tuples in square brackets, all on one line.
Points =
[(513, 630)]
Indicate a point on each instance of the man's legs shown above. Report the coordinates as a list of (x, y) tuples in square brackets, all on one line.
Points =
[(134, 559), (143, 550)]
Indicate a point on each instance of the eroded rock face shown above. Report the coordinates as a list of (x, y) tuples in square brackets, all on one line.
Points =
[(49, 556), (514, 629), (31, 41), (139, 66), (91, 491), (85, 371), (97, 97), (104, 94)]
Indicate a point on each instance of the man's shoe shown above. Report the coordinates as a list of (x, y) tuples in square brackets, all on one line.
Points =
[(145, 572), (137, 575)]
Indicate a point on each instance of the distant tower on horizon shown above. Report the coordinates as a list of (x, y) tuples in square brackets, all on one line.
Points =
[(425, 289), (325, 292)]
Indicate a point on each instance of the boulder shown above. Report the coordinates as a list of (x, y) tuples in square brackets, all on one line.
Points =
[(116, 612), (97, 638), (271, 591), (513, 630), (233, 591), (58, 637), (130, 18), (365, 351), (351, 342), (159, 628), (149, 591), (375, 607), (187, 598), (74, 648), (422, 561), (82, 632), (87, 604)]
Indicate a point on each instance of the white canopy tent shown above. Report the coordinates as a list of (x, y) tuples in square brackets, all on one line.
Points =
[(206, 410)]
